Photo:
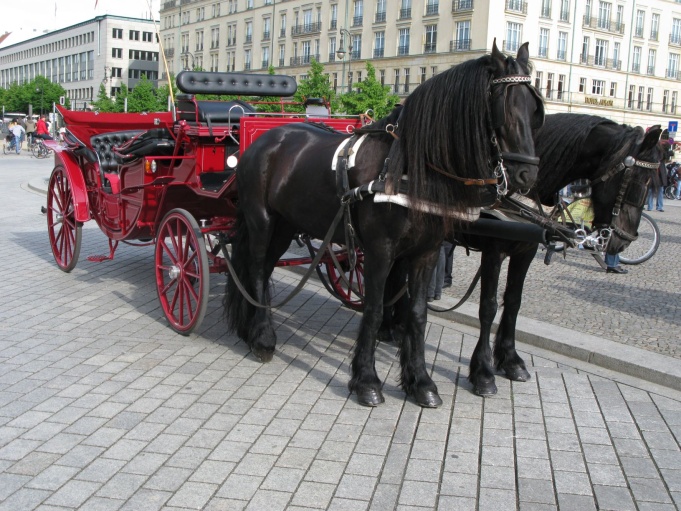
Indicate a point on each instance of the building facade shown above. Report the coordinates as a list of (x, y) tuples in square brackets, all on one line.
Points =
[(618, 58), (109, 50)]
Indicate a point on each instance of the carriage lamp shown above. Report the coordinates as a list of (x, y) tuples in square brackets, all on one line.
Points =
[(150, 166), (232, 161)]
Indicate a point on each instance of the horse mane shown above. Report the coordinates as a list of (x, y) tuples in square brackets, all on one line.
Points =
[(446, 122), (559, 141)]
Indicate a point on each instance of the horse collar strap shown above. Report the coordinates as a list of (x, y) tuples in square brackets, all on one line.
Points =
[(347, 150)]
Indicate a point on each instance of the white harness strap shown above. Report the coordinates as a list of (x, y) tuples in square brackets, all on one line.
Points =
[(401, 199), (352, 155)]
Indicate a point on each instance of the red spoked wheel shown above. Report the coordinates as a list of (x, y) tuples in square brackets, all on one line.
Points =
[(64, 232), (351, 293), (182, 272)]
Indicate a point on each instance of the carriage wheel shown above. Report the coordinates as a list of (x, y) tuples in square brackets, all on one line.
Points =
[(351, 293), (182, 272), (647, 243), (64, 232)]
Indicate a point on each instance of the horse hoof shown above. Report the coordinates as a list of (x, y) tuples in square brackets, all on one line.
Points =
[(428, 399), (370, 397), (517, 373), (486, 389), (263, 355)]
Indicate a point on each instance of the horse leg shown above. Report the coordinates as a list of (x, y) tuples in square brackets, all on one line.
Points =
[(505, 354), (481, 370), (392, 328), (414, 377)]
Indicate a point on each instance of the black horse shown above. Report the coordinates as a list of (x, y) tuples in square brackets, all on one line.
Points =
[(571, 147), (450, 130)]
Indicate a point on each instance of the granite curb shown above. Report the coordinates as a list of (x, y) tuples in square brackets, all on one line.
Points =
[(626, 359)]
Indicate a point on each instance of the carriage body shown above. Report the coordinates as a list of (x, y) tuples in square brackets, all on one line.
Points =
[(164, 178)]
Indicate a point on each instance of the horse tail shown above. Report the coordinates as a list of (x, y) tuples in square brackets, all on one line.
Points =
[(238, 311)]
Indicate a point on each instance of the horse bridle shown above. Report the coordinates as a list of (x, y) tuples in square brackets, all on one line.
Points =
[(627, 166)]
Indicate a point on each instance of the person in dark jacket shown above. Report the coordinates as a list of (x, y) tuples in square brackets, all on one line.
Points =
[(658, 185)]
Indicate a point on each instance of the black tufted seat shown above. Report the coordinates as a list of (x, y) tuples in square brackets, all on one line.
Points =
[(210, 112), (105, 142)]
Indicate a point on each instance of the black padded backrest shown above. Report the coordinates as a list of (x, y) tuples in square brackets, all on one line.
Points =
[(205, 82), (217, 112), (104, 142)]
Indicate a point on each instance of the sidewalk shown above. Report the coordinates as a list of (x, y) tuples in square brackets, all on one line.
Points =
[(103, 407)]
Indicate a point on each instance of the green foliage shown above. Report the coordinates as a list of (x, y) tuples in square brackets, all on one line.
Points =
[(370, 95), (316, 85), (120, 98), (39, 92), (143, 97), (104, 103)]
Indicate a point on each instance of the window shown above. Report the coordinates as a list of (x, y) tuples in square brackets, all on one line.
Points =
[(332, 49), (382, 72), (561, 54), (200, 14), (266, 29), (282, 54), (630, 96), (432, 8), (358, 17), (116, 53), (636, 60), (147, 37), (134, 35), (214, 59), (199, 40), (601, 52), (380, 11), (282, 26), (616, 56), (665, 101), (406, 80), (604, 15), (613, 89), (463, 36), (538, 80), (514, 5), (543, 42), (640, 17), (619, 20), (431, 39), (561, 87), (675, 36), (598, 87), (582, 84), (639, 102), (403, 44), (549, 86), (565, 10), (654, 27), (649, 99), (215, 11), (117, 33), (672, 110), (379, 44), (249, 32), (247, 60), (214, 38), (673, 65), (585, 50), (334, 15), (116, 72), (396, 85), (545, 11), (513, 36), (265, 57), (651, 61), (587, 10), (356, 46), (422, 74)]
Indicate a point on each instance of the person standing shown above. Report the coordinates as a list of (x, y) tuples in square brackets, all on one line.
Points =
[(438, 278), (612, 261), (30, 129), (657, 186), (19, 132)]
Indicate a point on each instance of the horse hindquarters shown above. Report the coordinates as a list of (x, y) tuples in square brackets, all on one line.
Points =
[(505, 354)]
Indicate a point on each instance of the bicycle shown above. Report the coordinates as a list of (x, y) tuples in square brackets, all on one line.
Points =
[(39, 149), (596, 240), (8, 145)]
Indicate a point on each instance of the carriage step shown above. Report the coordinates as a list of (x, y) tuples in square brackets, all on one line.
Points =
[(98, 258)]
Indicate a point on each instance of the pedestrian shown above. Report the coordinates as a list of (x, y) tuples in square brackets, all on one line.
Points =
[(42, 129), (30, 129), (19, 132), (657, 187), (612, 261), (438, 278)]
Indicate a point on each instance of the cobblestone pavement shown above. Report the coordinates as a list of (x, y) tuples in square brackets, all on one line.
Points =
[(103, 407), (641, 308)]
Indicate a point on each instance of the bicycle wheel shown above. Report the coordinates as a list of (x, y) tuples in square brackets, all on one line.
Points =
[(5, 149), (669, 192), (35, 150), (646, 245)]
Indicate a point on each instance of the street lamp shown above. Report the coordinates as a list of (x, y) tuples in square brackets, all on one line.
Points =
[(341, 54), (185, 60), (42, 95)]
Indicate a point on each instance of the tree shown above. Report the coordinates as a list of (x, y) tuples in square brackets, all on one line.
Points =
[(316, 85), (120, 98), (370, 95), (143, 97), (104, 103)]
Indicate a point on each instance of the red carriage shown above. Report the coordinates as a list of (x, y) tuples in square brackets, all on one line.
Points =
[(168, 179)]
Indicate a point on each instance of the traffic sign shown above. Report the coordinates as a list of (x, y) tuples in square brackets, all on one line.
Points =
[(673, 125)]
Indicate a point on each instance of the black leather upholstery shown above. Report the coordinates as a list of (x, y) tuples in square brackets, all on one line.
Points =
[(215, 112), (103, 144), (250, 84)]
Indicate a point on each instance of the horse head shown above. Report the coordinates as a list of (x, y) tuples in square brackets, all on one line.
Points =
[(517, 110), (618, 199)]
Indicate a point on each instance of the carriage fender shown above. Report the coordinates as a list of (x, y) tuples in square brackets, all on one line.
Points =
[(78, 189)]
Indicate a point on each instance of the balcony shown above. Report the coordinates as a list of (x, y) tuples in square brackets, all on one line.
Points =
[(249, 39), (564, 16), (675, 39), (282, 62), (247, 66), (305, 29), (303, 60), (612, 26), (357, 21), (636, 67), (561, 55), (672, 73), (651, 71), (380, 17), (169, 52), (654, 35), (638, 32), (379, 52), (510, 46), (516, 6), (355, 55), (265, 64), (334, 24), (231, 42), (432, 9), (282, 32), (430, 48), (169, 4), (545, 12), (403, 50), (462, 5), (405, 13), (266, 36), (460, 45)]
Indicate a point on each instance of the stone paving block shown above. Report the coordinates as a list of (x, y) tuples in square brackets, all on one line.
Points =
[(192, 495), (459, 485), (150, 500), (613, 498), (239, 487), (102, 504), (32, 464), (100, 470), (601, 454), (491, 499), (572, 482), (73, 494), (122, 486), (24, 499), (168, 479), (571, 502), (536, 490), (649, 490)]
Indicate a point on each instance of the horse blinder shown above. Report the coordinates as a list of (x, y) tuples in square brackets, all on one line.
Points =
[(499, 105)]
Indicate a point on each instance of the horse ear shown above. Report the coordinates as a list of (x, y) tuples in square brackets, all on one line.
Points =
[(523, 56), (498, 58), (652, 137)]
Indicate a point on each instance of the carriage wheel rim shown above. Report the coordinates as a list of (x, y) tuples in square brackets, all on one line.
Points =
[(63, 230)]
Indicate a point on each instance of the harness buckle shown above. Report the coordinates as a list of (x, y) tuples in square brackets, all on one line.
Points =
[(615, 211)]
